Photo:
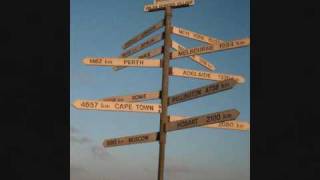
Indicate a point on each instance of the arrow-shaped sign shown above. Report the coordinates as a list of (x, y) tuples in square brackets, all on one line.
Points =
[(127, 140), (202, 91), (202, 120), (189, 73), (232, 125), (152, 40), (117, 106), (195, 58), (149, 54), (126, 62), (142, 35), (211, 48)]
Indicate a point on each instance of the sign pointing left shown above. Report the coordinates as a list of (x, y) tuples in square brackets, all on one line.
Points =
[(127, 62), (127, 140), (134, 97), (149, 54), (117, 106)]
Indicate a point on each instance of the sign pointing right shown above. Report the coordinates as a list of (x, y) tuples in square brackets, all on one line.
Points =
[(212, 118), (230, 125), (202, 91), (190, 73), (211, 48)]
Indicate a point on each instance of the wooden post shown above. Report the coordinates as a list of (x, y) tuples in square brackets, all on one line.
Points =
[(164, 92)]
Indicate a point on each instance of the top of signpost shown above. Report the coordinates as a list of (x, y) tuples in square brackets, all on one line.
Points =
[(162, 4)]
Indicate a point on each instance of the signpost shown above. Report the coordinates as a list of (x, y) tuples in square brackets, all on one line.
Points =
[(211, 118), (195, 58), (117, 106), (164, 91), (131, 103), (134, 97), (127, 62), (137, 139), (211, 48), (231, 125), (189, 73)]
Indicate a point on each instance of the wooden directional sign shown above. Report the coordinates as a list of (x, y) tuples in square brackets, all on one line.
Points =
[(197, 36), (189, 73), (127, 62), (232, 125), (137, 139), (117, 106), (202, 120), (142, 35), (134, 97), (195, 58), (148, 42), (149, 54), (152, 53), (202, 91), (173, 3), (159, 1), (211, 48)]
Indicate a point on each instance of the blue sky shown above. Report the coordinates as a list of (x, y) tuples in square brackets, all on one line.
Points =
[(99, 28)]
